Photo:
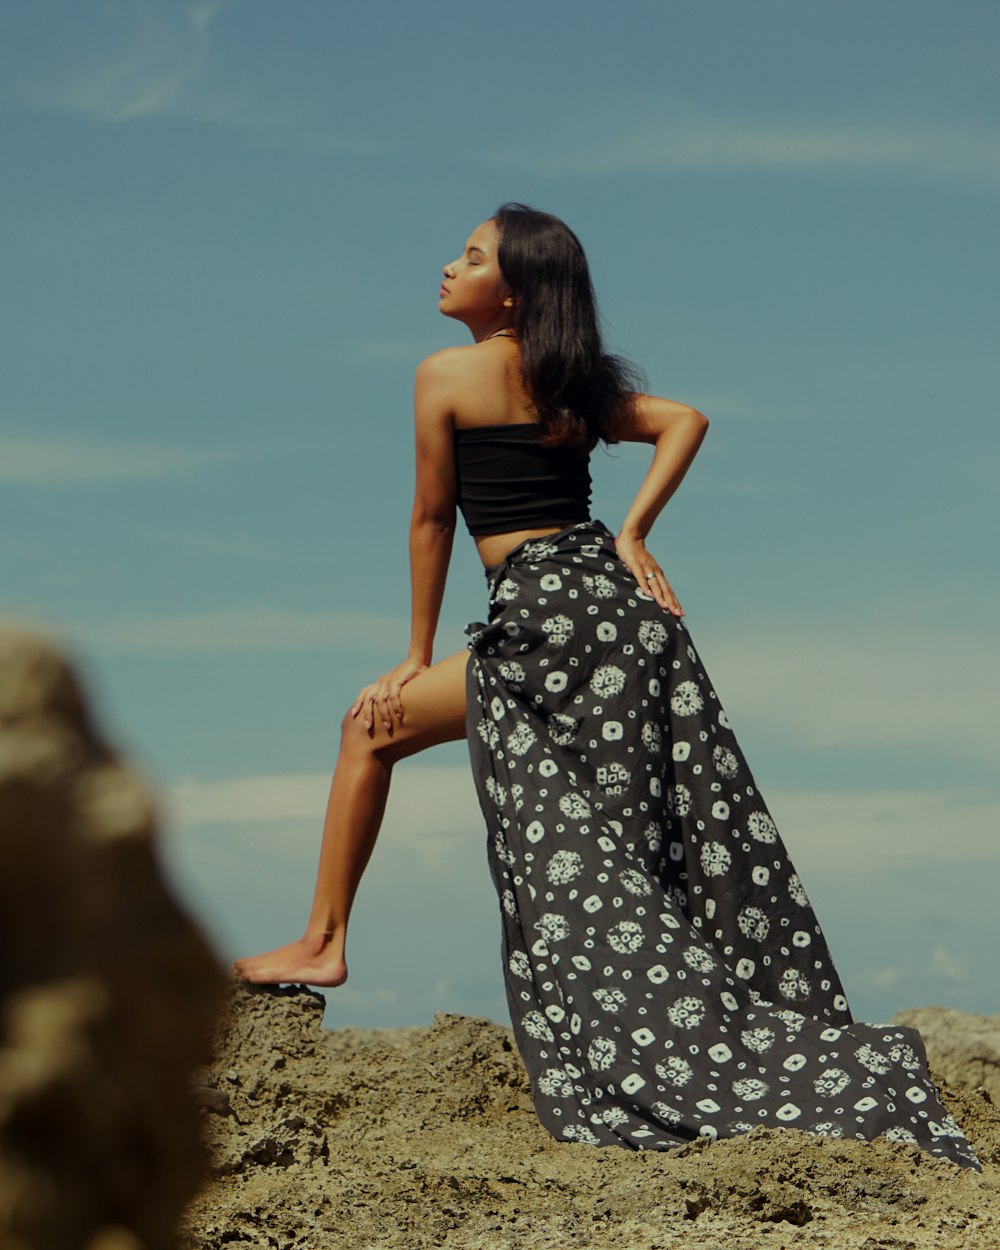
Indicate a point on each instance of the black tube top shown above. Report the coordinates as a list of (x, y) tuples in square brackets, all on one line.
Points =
[(508, 481)]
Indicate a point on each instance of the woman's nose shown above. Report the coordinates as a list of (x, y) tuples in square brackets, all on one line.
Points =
[(449, 269)]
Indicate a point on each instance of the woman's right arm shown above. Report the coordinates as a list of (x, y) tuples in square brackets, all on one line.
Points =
[(432, 529), (432, 524), (676, 431)]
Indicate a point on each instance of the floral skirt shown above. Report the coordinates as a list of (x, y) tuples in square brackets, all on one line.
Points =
[(665, 972)]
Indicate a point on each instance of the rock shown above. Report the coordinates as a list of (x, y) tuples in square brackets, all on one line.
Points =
[(107, 989), (270, 1120), (419, 1138), (962, 1048)]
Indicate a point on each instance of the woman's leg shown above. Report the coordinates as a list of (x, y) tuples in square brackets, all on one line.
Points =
[(433, 712)]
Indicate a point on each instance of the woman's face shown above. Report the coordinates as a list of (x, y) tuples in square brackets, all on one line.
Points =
[(473, 289)]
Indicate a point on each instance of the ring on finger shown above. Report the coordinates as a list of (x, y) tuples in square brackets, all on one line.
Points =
[(651, 576)]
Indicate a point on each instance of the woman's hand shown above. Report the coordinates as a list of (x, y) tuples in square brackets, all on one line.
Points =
[(381, 697), (647, 573)]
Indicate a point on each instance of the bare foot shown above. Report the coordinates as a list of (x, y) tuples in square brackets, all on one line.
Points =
[(309, 961)]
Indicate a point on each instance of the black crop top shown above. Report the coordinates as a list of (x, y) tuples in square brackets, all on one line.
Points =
[(508, 481)]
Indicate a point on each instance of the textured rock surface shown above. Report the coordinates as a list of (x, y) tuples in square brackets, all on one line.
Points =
[(107, 990), (421, 1137), (963, 1048)]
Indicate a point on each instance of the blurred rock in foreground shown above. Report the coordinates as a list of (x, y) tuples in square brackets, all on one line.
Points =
[(107, 990), (423, 1137)]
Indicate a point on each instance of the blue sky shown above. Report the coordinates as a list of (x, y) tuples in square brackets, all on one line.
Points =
[(223, 234)]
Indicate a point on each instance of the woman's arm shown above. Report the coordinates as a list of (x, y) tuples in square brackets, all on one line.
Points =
[(676, 430), (432, 529), (432, 525)]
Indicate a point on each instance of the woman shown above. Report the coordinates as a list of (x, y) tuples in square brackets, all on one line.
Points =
[(665, 972)]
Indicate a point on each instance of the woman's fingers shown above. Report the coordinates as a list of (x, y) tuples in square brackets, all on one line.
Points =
[(381, 704), (368, 707), (381, 698), (671, 602), (654, 581), (359, 702)]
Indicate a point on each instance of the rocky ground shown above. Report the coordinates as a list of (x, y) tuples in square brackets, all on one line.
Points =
[(421, 1137)]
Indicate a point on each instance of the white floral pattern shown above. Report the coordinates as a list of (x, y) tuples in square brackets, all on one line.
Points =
[(687, 1012), (574, 805), (675, 1070), (653, 636), (686, 699), (761, 827), (726, 763), (758, 1040), (521, 740), (610, 1000), (601, 1053), (652, 736), (552, 927), (625, 937), (607, 681), (556, 1083), (520, 965), (599, 586), (715, 859), (564, 866)]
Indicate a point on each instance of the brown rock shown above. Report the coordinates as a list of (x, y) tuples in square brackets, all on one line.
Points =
[(962, 1048), (416, 1138), (107, 990)]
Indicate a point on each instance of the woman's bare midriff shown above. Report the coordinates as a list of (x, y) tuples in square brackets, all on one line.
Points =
[(494, 548)]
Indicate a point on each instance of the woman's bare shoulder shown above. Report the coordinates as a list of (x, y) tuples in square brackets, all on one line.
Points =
[(442, 382), (448, 362)]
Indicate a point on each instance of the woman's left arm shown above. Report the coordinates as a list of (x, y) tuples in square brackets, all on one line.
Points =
[(676, 430), (432, 530)]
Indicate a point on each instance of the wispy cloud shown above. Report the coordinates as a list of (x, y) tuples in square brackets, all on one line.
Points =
[(233, 630), (947, 967), (154, 52), (59, 461), (831, 832), (438, 802), (861, 684), (662, 136), (147, 59), (269, 827)]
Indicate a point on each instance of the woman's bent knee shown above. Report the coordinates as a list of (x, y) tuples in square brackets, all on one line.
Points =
[(354, 733), (355, 736)]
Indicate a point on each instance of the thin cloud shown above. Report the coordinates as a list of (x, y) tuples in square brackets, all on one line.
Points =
[(155, 61), (58, 461), (415, 805), (945, 967), (433, 828), (165, 47), (830, 832), (233, 630), (679, 137), (861, 685)]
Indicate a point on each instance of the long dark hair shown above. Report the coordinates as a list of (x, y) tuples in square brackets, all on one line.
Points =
[(579, 390)]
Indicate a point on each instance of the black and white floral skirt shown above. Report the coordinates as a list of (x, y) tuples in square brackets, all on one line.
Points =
[(665, 972)]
